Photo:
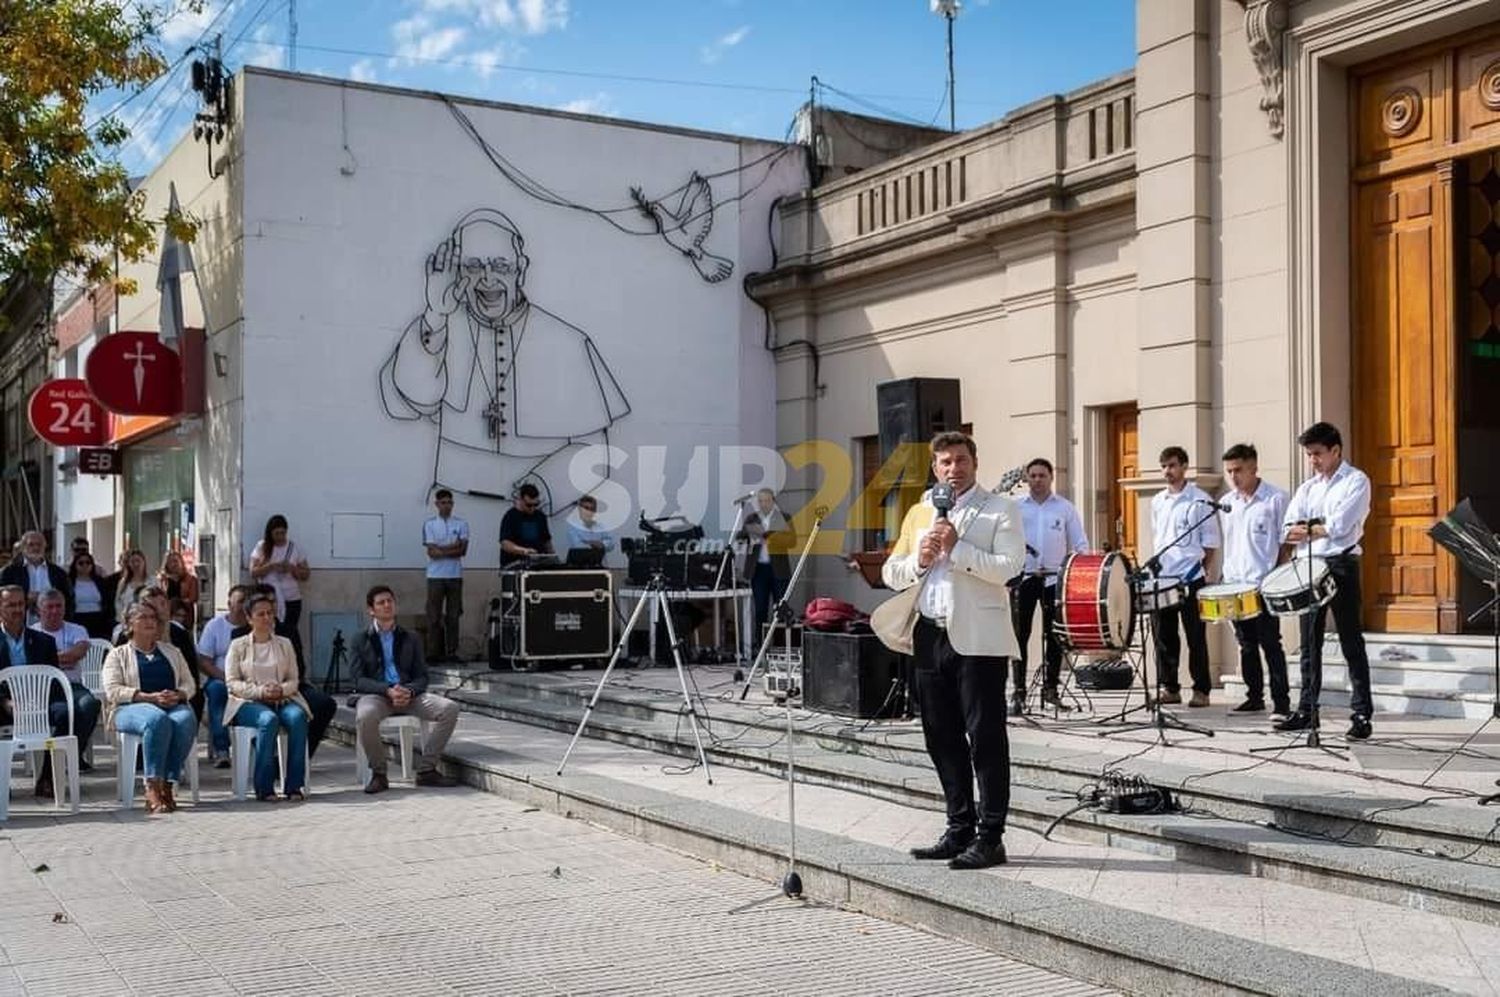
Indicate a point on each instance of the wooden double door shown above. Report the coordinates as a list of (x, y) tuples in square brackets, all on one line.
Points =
[(1426, 296)]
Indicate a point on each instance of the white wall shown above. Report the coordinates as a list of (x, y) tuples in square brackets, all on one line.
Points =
[(87, 496), (336, 244)]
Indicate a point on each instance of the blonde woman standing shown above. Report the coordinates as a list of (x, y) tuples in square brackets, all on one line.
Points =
[(261, 672), (147, 686)]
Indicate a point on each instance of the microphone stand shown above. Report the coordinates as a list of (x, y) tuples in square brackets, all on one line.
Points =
[(781, 613), (1161, 720), (733, 562)]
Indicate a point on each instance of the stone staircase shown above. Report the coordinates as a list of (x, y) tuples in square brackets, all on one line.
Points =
[(1441, 676)]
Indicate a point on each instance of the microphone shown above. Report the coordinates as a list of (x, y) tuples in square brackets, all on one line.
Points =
[(1221, 506), (942, 498), (742, 498)]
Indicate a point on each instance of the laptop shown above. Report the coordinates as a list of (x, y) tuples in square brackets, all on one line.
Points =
[(585, 557)]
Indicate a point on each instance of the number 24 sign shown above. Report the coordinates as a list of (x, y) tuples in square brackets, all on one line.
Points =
[(63, 413)]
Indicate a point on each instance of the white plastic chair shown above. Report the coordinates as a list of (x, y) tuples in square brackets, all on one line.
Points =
[(128, 749), (242, 757), (409, 729), (31, 730), (92, 666)]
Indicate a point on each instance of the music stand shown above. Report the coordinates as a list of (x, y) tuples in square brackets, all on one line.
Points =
[(1468, 538)]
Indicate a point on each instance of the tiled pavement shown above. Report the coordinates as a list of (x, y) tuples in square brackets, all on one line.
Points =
[(424, 892)]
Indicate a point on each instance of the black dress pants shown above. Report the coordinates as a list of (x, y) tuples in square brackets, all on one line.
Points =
[(1346, 612), (1257, 635), (1033, 589), (1197, 642), (962, 701)]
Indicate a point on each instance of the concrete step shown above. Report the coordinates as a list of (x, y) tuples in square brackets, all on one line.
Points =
[(1241, 823), (1091, 940)]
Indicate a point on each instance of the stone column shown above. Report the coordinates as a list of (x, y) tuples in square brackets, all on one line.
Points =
[(1036, 329)]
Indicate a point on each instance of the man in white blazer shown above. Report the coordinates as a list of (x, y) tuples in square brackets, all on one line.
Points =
[(960, 644)]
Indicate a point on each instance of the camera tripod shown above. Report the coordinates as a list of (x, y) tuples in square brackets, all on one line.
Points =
[(656, 591)]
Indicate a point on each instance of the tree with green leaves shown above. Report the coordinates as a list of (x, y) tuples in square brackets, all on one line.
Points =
[(66, 205)]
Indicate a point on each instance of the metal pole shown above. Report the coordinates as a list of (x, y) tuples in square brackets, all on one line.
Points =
[(952, 117)]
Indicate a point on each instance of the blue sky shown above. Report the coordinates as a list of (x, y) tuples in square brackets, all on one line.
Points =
[(740, 66)]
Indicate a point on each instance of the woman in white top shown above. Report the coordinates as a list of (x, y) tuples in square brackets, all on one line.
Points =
[(261, 672), (134, 575), (93, 597), (280, 563)]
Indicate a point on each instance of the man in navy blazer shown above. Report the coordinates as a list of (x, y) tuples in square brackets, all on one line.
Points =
[(21, 645), (390, 677), (29, 572)]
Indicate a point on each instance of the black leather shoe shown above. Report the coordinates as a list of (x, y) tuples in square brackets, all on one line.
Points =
[(1250, 706), (1359, 727), (432, 777), (378, 783), (950, 845), (981, 854), (1017, 705), (1051, 698), (1299, 720)]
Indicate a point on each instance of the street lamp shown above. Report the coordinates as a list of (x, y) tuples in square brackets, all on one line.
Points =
[(948, 10)]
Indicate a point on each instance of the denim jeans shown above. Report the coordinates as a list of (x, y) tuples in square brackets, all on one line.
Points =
[(268, 722), (85, 713), (216, 692), (166, 736)]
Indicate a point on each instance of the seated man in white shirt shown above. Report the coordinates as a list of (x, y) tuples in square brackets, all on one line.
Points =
[(72, 643), (213, 648)]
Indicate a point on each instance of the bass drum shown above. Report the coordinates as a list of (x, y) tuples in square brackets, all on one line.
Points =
[(1093, 602)]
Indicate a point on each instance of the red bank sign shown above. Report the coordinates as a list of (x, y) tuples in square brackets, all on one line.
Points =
[(132, 373), (65, 414)]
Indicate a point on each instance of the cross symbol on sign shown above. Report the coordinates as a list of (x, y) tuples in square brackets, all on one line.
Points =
[(139, 356)]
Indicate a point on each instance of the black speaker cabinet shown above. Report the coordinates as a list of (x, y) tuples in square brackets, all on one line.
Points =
[(914, 409), (851, 675)]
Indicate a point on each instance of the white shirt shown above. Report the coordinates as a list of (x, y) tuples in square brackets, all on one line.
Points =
[(1342, 501), (86, 596), (70, 636), (1053, 529), (213, 642), (284, 582), (936, 600), (38, 578), (1171, 515), (1252, 533), (442, 532)]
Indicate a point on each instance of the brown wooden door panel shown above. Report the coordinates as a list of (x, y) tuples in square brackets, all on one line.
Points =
[(1124, 464), (1403, 394)]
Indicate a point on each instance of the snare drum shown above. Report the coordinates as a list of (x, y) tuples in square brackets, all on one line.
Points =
[(1152, 595), (1093, 603), (1298, 587), (1228, 603)]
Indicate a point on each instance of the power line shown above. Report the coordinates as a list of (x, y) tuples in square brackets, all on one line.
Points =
[(229, 5)]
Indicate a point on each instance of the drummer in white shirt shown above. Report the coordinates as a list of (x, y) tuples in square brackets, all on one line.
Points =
[(1338, 496), (1175, 510), (1053, 530), (1252, 547)]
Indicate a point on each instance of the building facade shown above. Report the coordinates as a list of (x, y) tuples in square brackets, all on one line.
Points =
[(398, 292), (1286, 213)]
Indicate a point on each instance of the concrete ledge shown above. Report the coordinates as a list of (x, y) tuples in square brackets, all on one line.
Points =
[(1403, 878), (1136, 952)]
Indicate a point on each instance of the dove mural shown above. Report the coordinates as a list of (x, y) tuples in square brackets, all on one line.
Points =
[(511, 388), (686, 223)]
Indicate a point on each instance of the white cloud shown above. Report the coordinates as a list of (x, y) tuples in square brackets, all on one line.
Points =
[(184, 25), (417, 39), (262, 49), (363, 71), (531, 17), (714, 50), (600, 103)]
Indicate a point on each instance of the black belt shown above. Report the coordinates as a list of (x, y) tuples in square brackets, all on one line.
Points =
[(933, 621)]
